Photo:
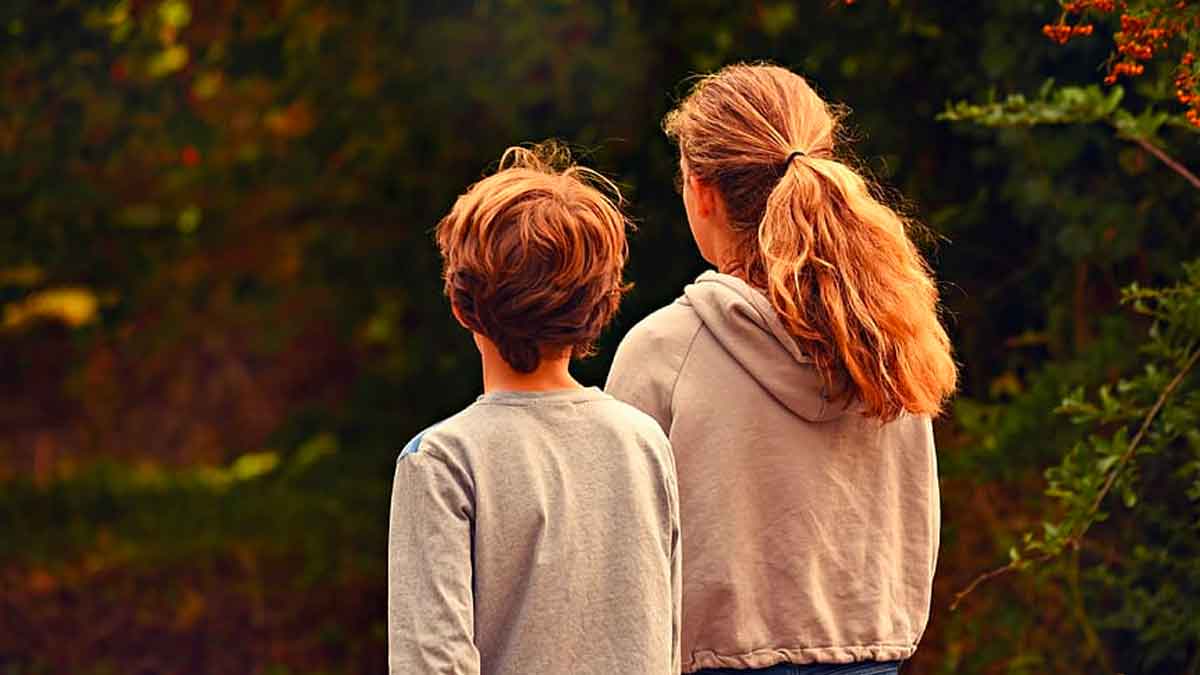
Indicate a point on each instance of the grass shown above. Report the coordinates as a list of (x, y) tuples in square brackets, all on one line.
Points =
[(268, 565)]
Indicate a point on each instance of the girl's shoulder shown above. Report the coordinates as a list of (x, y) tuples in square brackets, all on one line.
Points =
[(666, 330), (650, 358)]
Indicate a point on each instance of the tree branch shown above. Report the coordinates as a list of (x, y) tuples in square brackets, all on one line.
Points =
[(1167, 159), (1137, 439), (1074, 540), (992, 574)]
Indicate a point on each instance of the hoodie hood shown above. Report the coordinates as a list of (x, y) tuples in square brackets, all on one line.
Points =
[(745, 324)]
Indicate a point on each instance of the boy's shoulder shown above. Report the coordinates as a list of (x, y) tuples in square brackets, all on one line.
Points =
[(443, 437), (452, 438)]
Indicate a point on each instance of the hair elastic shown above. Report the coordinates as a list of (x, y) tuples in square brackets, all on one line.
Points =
[(794, 155)]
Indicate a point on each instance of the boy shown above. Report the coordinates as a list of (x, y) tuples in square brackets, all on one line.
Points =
[(537, 531)]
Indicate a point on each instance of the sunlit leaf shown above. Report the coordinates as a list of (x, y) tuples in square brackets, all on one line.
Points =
[(175, 13), (168, 61), (74, 306), (315, 448), (207, 85), (189, 219), (253, 465)]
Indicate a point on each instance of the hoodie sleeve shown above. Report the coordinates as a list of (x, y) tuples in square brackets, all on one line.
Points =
[(676, 597), (650, 359), (431, 620)]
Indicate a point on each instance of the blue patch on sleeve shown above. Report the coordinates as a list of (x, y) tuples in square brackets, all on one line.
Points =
[(413, 447)]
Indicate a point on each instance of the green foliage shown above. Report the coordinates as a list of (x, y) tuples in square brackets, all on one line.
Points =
[(146, 516), (1067, 105), (1122, 526), (1152, 414), (216, 246)]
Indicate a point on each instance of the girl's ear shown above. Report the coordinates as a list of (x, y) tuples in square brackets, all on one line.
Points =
[(708, 199), (703, 194), (700, 191)]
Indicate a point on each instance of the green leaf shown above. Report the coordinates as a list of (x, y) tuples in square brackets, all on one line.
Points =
[(175, 13), (1106, 463), (322, 445), (1052, 530), (168, 61), (253, 465), (1129, 497)]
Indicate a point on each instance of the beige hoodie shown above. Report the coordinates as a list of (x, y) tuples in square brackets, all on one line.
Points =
[(810, 532)]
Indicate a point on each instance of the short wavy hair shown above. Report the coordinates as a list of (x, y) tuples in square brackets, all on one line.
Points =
[(534, 255)]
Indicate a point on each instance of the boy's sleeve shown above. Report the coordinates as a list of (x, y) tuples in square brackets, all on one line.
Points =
[(431, 613)]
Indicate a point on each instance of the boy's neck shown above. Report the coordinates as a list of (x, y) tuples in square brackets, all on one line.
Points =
[(550, 375)]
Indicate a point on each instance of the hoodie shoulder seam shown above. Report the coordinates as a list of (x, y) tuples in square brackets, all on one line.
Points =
[(683, 362)]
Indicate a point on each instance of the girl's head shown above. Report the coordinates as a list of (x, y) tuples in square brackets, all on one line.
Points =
[(768, 200)]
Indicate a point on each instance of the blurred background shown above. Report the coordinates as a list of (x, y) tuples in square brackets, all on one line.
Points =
[(221, 317)]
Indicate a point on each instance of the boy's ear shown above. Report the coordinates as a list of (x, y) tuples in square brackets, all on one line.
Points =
[(458, 315)]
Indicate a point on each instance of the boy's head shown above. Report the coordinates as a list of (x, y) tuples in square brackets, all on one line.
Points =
[(533, 256)]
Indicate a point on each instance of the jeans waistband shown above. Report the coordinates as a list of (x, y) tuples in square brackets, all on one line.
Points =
[(861, 668)]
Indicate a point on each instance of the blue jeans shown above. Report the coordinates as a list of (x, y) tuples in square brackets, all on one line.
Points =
[(862, 668)]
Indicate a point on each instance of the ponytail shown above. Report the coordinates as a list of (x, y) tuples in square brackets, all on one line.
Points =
[(836, 263), (847, 281)]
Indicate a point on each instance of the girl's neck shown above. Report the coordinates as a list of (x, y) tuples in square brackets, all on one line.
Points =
[(550, 375)]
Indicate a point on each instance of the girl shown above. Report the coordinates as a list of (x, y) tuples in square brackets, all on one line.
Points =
[(796, 385)]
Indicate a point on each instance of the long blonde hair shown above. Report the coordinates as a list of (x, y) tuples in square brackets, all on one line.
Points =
[(837, 264)]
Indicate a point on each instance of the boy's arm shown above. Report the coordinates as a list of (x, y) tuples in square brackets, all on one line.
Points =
[(431, 613)]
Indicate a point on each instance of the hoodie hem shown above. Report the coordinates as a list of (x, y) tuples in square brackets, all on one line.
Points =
[(765, 658)]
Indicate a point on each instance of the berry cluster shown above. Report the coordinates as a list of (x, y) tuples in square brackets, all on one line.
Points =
[(1080, 6), (1187, 87), (1061, 32), (1139, 38), (1123, 69), (1144, 33)]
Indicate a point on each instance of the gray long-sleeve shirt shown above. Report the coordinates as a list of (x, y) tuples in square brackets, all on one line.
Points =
[(535, 532)]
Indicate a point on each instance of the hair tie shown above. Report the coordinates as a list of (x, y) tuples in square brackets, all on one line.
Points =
[(794, 155)]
